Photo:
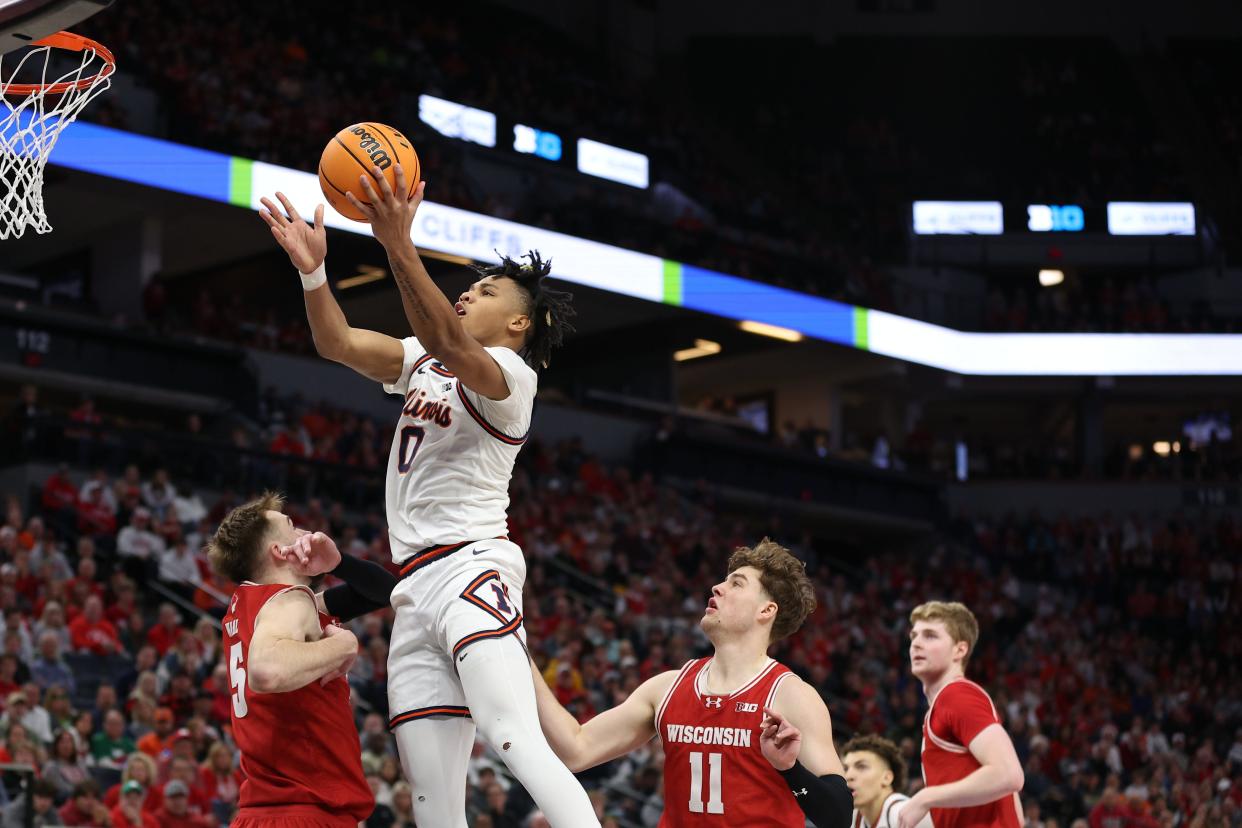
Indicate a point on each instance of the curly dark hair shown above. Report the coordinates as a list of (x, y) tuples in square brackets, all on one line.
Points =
[(888, 752), (783, 577), (549, 310)]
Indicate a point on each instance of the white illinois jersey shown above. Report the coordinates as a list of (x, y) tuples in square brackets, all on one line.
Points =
[(453, 452), (888, 814)]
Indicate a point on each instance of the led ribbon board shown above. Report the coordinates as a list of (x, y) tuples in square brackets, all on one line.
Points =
[(455, 120), (239, 181)]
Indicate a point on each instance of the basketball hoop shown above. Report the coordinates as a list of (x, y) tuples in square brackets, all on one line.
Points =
[(34, 115)]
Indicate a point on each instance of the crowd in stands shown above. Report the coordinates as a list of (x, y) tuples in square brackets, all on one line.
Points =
[(1200, 455), (1108, 643), (1207, 65), (816, 216), (330, 455), (1104, 305), (209, 100)]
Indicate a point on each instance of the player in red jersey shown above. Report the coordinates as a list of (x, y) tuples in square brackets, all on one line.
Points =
[(746, 742), (970, 768), (287, 661)]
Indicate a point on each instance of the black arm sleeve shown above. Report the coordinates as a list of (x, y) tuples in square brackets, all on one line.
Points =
[(826, 800), (346, 603), (367, 578), (368, 587)]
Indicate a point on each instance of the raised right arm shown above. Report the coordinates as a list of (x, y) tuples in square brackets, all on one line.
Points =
[(374, 355), (613, 733)]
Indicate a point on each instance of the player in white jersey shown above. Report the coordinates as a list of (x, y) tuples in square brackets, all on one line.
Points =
[(876, 775), (457, 658)]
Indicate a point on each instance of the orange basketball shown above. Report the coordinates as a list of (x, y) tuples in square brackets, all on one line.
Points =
[(353, 152)]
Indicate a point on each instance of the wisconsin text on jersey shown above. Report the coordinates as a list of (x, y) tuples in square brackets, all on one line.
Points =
[(692, 735)]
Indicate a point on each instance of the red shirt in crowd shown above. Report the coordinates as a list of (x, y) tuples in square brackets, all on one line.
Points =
[(7, 687), (70, 815), (162, 638), (119, 612), (95, 518), (59, 493), (92, 588), (286, 443), (99, 637), (119, 820), (166, 820), (224, 788), (1114, 814)]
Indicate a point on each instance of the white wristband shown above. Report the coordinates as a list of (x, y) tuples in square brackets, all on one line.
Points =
[(315, 278)]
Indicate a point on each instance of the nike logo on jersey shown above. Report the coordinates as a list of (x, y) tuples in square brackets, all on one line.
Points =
[(462, 657), (481, 551), (438, 368)]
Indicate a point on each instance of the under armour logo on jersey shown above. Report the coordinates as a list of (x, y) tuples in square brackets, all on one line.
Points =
[(747, 707), (713, 701)]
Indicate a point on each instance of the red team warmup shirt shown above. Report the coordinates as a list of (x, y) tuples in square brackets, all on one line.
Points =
[(961, 711), (300, 752), (715, 773)]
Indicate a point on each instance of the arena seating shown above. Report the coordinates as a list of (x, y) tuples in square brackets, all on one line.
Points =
[(1108, 641), (819, 216)]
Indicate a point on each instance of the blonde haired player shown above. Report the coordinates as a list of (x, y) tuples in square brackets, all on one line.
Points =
[(457, 658), (876, 774), (745, 741), (971, 769)]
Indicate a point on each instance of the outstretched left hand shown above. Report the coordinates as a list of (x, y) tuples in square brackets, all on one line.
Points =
[(390, 214), (779, 740)]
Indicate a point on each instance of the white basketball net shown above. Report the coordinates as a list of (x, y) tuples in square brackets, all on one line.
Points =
[(30, 125)]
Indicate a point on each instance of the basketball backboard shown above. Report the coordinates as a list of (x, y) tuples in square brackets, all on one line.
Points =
[(22, 21)]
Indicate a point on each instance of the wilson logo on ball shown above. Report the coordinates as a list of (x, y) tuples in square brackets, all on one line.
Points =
[(356, 151), (369, 144)]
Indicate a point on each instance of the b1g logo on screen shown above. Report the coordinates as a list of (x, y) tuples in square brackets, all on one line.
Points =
[(1056, 218)]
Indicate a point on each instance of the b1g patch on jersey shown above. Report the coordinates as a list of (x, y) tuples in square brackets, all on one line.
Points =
[(747, 707)]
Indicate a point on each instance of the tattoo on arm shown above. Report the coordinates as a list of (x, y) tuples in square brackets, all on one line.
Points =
[(405, 285)]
